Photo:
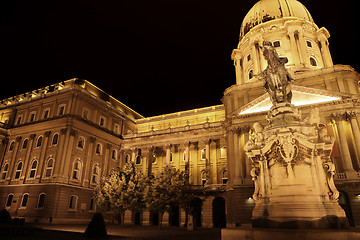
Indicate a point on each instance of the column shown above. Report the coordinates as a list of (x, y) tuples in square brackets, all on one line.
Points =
[(248, 164), (344, 148), (67, 157), (27, 156), (325, 50), (106, 160), (88, 162), (133, 155), (13, 158), (207, 160), (4, 144), (187, 164), (301, 47), (356, 132), (42, 155), (150, 160), (294, 52), (236, 157), (59, 152), (255, 59), (168, 154)]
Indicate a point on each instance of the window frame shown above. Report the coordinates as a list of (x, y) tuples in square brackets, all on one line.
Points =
[(3, 171), (102, 121), (87, 117), (53, 137), (203, 154), (7, 206), (22, 200), (11, 146), (96, 175), (23, 145), (18, 171), (61, 112), (81, 139), (19, 119), (223, 152), (114, 156), (136, 160), (39, 142), (47, 167), (32, 169), (46, 110), (32, 116), (72, 204), (98, 149), (77, 171), (43, 200)]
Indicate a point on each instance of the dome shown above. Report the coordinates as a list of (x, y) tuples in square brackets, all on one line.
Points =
[(266, 10)]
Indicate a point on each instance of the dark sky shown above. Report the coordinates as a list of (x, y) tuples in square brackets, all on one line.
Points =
[(155, 56)]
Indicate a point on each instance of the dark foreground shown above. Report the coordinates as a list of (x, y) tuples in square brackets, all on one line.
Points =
[(72, 232)]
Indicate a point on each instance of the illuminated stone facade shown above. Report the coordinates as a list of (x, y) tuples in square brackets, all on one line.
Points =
[(210, 141)]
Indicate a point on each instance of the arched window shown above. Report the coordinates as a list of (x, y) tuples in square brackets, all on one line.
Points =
[(171, 157), (39, 141), (33, 169), (76, 170), (99, 149), (18, 170), (203, 177), (203, 154), (313, 62), (251, 74), (9, 200), (25, 143), (95, 178), (55, 139), (73, 202), (224, 176), (154, 158), (127, 158), (223, 152), (4, 171), (41, 200), (81, 143), (24, 200), (138, 160), (11, 146), (184, 156), (49, 167), (114, 154)]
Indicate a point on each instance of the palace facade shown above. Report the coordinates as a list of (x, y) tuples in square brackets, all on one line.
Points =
[(57, 141)]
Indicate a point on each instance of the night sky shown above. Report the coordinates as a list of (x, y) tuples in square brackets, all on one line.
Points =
[(156, 57)]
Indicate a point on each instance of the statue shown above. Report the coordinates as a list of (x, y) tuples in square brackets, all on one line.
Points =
[(276, 77)]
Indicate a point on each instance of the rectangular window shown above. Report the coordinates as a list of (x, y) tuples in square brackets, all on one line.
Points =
[(102, 121), (19, 120), (32, 117), (276, 44), (61, 110), (308, 43), (46, 113), (86, 114)]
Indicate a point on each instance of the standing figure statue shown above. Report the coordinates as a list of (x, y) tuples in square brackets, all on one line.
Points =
[(276, 77)]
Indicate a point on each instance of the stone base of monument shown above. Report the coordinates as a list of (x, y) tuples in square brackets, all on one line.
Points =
[(286, 234)]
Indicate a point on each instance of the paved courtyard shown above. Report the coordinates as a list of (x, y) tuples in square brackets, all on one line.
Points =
[(129, 232)]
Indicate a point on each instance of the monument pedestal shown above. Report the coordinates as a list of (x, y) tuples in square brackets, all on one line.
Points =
[(286, 234)]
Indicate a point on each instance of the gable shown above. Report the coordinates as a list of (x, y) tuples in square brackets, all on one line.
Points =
[(301, 96)]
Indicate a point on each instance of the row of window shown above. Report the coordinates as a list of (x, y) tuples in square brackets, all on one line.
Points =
[(41, 201), (49, 166), (203, 156), (98, 149), (77, 171), (46, 114), (61, 111), (54, 141), (39, 141)]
